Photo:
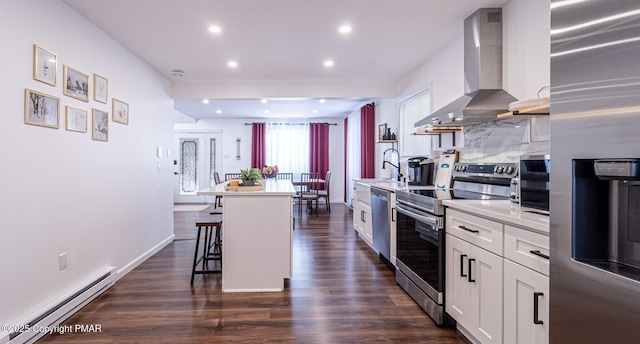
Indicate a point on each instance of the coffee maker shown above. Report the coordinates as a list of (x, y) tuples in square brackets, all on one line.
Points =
[(420, 171)]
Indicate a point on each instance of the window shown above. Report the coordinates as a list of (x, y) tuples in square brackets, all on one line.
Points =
[(189, 166), (288, 147), (411, 111)]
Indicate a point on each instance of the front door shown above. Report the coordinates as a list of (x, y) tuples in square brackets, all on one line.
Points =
[(199, 156)]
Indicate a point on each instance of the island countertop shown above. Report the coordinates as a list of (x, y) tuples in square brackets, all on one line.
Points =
[(271, 188)]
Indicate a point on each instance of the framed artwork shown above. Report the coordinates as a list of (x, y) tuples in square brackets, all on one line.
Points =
[(76, 84), (100, 126), (120, 111), (41, 109), (382, 129), (76, 119), (45, 65), (100, 88)]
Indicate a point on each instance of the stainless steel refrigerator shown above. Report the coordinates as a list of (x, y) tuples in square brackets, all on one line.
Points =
[(595, 172)]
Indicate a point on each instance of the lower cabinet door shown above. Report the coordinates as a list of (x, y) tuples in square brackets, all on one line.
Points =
[(459, 302), (486, 273), (526, 305)]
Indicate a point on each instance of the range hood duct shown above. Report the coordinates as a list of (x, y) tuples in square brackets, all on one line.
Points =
[(484, 97)]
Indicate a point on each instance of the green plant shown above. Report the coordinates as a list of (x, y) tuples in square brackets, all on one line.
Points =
[(252, 174)]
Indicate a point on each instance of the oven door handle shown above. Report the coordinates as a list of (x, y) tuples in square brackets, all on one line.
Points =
[(428, 220)]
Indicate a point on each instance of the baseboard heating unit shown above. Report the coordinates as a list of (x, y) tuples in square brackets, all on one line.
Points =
[(55, 313)]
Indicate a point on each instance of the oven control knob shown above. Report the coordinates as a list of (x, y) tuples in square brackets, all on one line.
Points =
[(463, 168), (510, 169), (499, 169)]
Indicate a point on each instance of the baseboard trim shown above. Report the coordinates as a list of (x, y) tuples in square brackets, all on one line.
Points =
[(136, 262)]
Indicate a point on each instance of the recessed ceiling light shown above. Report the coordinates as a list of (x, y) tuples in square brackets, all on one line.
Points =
[(264, 101), (266, 111), (215, 29), (328, 63), (232, 64), (205, 101), (218, 111), (315, 111), (322, 100), (345, 29)]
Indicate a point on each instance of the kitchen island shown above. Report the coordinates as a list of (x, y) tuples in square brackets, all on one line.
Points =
[(256, 236)]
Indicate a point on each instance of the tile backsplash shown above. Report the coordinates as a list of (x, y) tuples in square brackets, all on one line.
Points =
[(505, 140)]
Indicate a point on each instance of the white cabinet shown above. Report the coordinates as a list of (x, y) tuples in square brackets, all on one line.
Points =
[(526, 287), (497, 284), (474, 289), (362, 214)]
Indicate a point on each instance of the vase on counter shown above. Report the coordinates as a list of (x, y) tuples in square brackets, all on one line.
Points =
[(248, 182)]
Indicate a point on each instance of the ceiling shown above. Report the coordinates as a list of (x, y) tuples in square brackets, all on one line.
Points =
[(280, 44)]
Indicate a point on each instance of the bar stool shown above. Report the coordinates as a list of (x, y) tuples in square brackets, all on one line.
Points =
[(212, 250)]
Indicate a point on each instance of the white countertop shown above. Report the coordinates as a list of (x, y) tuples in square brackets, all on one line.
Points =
[(273, 187), (503, 211), (391, 185)]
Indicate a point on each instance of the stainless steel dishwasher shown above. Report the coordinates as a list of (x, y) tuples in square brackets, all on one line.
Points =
[(381, 221)]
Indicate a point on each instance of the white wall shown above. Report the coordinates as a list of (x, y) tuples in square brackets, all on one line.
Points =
[(101, 202), (230, 129)]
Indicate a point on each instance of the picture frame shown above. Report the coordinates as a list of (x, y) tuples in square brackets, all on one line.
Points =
[(45, 65), (382, 130), (100, 125), (76, 84), (100, 88), (120, 111), (76, 119), (41, 109)]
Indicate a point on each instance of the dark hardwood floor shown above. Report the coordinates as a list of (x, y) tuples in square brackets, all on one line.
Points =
[(339, 293)]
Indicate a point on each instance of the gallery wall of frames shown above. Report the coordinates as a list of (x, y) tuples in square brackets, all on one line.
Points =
[(44, 110)]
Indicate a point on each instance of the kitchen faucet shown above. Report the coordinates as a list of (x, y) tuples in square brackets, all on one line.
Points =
[(384, 162)]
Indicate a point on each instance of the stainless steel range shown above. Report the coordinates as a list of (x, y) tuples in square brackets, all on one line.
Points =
[(420, 265)]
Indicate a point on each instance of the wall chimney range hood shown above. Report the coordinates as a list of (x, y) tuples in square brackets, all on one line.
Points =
[(484, 97)]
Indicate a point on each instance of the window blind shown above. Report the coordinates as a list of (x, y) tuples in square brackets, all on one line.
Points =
[(411, 111)]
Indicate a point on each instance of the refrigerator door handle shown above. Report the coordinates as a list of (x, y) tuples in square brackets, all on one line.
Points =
[(462, 256), (536, 297), (470, 261)]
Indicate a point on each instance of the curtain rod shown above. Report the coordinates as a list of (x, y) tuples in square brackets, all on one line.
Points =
[(299, 123)]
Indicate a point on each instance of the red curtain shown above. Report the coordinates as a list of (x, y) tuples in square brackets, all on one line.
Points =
[(367, 140), (258, 144), (319, 136)]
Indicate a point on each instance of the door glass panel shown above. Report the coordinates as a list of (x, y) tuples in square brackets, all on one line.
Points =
[(189, 166)]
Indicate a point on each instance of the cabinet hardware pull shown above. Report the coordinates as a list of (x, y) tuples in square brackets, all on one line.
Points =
[(462, 256), (536, 296), (393, 214), (469, 230), (362, 216), (471, 260), (539, 254)]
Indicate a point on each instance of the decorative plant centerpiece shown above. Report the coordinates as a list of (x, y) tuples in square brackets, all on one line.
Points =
[(270, 171), (250, 176)]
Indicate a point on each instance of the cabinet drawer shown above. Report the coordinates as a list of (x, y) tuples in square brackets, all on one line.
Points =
[(478, 231), (527, 248)]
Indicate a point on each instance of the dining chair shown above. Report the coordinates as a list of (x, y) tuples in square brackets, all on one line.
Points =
[(229, 176), (218, 201), (308, 191), (287, 176), (325, 193)]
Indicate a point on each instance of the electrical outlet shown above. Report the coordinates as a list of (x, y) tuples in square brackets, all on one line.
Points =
[(62, 261)]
